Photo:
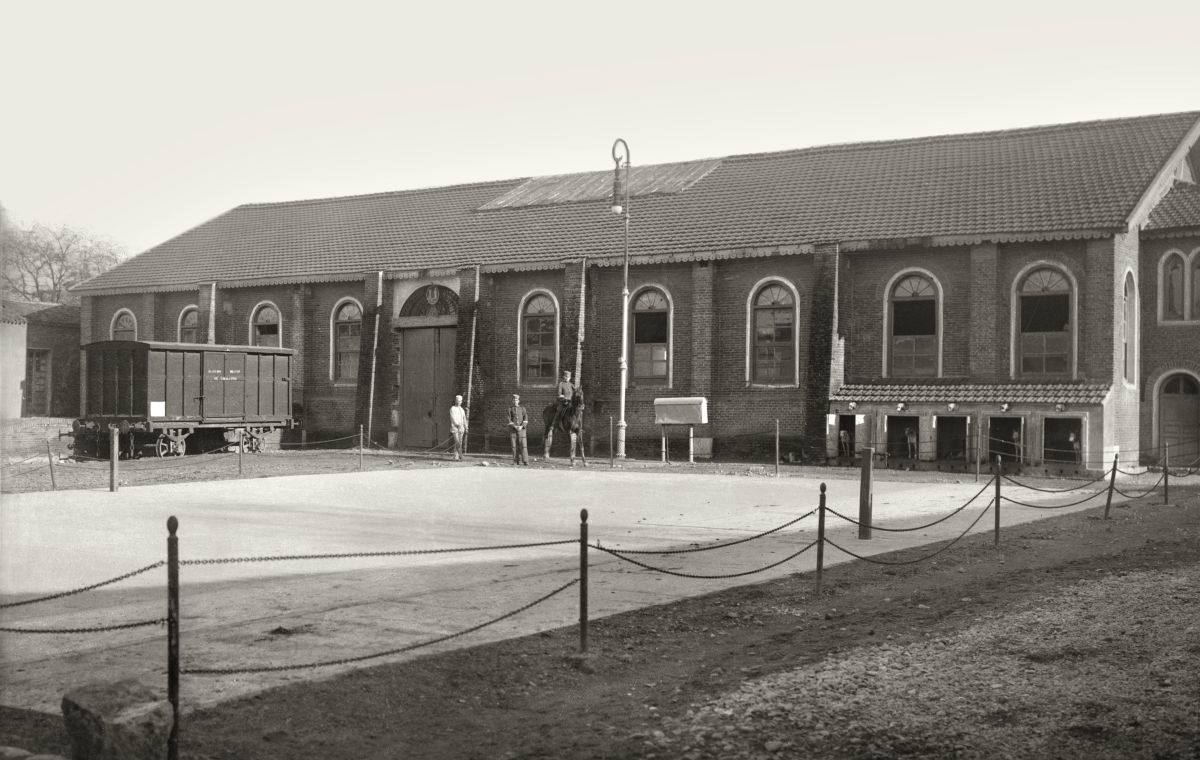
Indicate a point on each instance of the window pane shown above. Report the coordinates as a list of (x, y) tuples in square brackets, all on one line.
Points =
[(1196, 289), (650, 327), (187, 335), (914, 318), (1045, 313), (1173, 285)]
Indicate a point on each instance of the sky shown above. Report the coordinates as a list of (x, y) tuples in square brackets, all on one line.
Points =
[(138, 121)]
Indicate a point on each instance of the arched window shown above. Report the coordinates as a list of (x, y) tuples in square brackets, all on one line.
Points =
[(1129, 334), (1195, 285), (1045, 323), (539, 339), (651, 336), (346, 333), (914, 328), (124, 326), (1173, 286), (265, 326), (774, 336), (189, 318)]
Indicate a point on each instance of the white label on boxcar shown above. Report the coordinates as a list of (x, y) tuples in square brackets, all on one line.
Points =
[(158, 408)]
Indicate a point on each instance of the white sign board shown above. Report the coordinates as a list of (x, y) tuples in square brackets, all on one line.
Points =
[(692, 410)]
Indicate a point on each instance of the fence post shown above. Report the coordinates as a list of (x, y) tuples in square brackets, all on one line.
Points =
[(241, 448), (820, 539), (50, 459), (866, 495), (776, 447), (1112, 484), (360, 447), (303, 438), (583, 580), (173, 635), (1166, 472), (999, 469), (691, 444), (114, 451), (612, 460)]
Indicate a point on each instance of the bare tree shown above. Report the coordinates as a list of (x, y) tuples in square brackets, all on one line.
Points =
[(41, 263)]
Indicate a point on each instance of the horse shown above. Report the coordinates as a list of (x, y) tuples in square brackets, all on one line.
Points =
[(570, 421)]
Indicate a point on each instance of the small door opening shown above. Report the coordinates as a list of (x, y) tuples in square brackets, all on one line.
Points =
[(846, 442), (1062, 440), (903, 437), (1004, 438), (952, 439)]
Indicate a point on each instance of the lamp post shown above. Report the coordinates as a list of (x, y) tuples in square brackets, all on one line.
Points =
[(620, 206)]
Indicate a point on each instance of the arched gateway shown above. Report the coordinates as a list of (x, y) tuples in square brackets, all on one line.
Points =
[(424, 338), (1179, 418)]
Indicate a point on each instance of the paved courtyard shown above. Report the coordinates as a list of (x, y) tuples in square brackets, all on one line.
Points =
[(253, 614)]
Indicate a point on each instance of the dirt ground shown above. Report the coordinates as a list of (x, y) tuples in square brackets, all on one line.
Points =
[(1076, 637)]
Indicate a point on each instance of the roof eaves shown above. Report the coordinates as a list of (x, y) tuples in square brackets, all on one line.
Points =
[(1163, 180)]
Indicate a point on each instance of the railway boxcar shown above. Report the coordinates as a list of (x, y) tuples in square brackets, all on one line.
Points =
[(160, 395)]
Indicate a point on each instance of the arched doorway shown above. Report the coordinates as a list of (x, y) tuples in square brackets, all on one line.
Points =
[(425, 338), (1179, 417)]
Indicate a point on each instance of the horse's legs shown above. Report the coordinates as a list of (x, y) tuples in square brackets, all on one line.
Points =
[(573, 439), (549, 440), (582, 455)]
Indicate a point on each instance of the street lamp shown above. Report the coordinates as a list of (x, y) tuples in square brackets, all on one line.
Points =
[(620, 206)]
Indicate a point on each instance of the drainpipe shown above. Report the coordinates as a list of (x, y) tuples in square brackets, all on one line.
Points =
[(471, 352), (582, 314), (374, 354), (212, 313)]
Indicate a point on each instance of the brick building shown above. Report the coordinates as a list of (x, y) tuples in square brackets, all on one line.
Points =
[(41, 358), (996, 293)]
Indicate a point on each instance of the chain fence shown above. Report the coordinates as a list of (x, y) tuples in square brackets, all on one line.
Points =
[(89, 629), (83, 589), (876, 561), (366, 555)]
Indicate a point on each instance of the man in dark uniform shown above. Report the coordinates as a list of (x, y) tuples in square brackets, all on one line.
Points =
[(565, 392), (518, 420)]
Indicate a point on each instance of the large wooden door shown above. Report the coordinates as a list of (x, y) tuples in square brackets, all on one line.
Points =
[(1179, 419), (37, 383), (426, 380)]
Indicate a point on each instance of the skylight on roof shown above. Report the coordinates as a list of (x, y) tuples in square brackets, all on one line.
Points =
[(660, 179)]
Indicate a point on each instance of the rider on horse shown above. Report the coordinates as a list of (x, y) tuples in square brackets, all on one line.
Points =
[(565, 391)]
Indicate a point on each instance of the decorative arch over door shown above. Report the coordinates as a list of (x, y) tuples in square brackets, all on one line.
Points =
[(431, 301)]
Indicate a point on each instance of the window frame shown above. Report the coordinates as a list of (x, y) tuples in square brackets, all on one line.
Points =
[(521, 381), (1191, 299), (667, 381), (750, 344), (333, 352), (251, 334), (1014, 320), (888, 300), (179, 323), (112, 324)]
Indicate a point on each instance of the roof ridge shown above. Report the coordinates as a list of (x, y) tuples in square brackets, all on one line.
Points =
[(961, 136), (381, 193)]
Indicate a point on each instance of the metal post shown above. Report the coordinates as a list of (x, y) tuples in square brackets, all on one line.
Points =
[(999, 469), (303, 438), (691, 444), (583, 580), (360, 447), (241, 448), (612, 460), (978, 446), (662, 429), (866, 493), (776, 447), (820, 538), (50, 459), (114, 451), (173, 635), (624, 211), (1166, 472), (1112, 484)]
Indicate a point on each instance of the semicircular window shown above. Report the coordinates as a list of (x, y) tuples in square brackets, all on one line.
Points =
[(651, 336), (914, 326), (266, 326), (431, 301), (774, 349), (1045, 323)]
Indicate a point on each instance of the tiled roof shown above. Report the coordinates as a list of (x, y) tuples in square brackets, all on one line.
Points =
[(10, 314), (41, 312), (1013, 393), (1179, 209), (1053, 181)]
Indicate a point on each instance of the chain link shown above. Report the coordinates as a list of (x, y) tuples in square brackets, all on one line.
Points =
[(72, 592), (1147, 492), (397, 650), (918, 527), (919, 559), (725, 545), (1054, 506), (351, 555), (92, 629), (1082, 485), (664, 571)]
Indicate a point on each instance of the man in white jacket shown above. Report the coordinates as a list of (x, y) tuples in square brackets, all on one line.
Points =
[(458, 426)]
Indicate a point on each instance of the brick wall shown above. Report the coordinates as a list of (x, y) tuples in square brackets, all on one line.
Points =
[(1166, 347), (62, 341)]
